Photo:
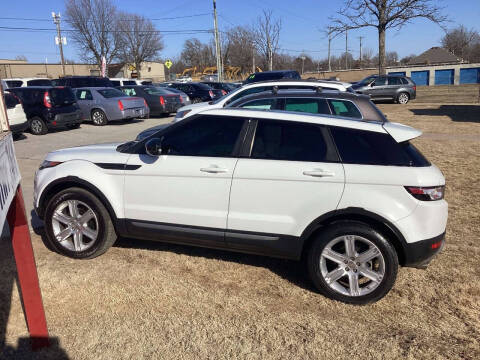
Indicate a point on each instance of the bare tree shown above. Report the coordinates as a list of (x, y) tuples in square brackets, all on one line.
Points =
[(139, 40), (240, 48), (383, 15), (267, 34), (462, 42), (95, 27), (196, 53)]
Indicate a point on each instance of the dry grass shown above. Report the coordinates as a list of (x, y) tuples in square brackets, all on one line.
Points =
[(145, 300)]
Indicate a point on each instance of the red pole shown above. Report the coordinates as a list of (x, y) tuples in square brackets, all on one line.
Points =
[(27, 272)]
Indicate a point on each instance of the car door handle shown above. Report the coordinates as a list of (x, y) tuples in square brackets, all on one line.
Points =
[(213, 169), (318, 173)]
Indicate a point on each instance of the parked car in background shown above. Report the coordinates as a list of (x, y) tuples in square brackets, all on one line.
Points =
[(160, 101), (396, 88), (122, 81), (198, 92), (143, 82), (226, 87), (49, 107), (272, 75), (257, 87), (185, 98), (83, 81), (17, 119), (20, 82), (101, 105), (353, 199)]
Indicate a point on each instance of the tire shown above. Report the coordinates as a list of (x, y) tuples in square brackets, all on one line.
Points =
[(38, 126), (332, 272), (82, 240), (73, 126), (99, 118), (403, 98)]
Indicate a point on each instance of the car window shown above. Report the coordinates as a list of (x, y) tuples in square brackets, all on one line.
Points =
[(250, 91), (39, 82), (394, 81), (115, 82), (313, 106), (404, 81), (84, 95), (381, 80), (261, 104), (110, 93), (62, 96), (156, 91), (11, 101), (204, 136), (284, 140), (129, 82), (14, 83), (344, 108), (129, 91), (371, 148), (59, 82)]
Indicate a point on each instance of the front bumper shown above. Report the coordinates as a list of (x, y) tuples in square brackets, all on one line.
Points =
[(420, 253)]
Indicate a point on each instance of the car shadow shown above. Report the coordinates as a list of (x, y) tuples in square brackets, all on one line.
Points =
[(460, 113), (19, 137), (116, 122), (290, 270)]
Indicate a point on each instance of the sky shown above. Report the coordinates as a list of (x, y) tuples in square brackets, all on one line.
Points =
[(303, 23)]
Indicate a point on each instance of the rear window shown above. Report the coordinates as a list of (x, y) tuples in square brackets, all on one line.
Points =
[(371, 148), (110, 93), (129, 82), (39, 82), (11, 101), (264, 76), (312, 106), (62, 96), (14, 83), (344, 108)]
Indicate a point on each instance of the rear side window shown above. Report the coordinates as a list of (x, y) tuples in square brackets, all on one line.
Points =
[(371, 148), (313, 106), (344, 108), (261, 104), (62, 96), (404, 81), (84, 95), (39, 82), (14, 83), (284, 140)]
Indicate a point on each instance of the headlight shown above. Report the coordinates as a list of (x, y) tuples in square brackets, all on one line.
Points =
[(181, 114), (48, 164)]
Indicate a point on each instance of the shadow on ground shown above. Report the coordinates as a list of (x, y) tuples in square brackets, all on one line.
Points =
[(8, 277), (461, 113)]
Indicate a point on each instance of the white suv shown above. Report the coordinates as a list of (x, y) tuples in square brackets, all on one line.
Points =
[(354, 199), (190, 110)]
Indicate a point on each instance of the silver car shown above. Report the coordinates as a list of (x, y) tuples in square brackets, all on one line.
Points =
[(103, 104)]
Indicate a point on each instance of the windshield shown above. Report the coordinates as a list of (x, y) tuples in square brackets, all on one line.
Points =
[(367, 80), (111, 93)]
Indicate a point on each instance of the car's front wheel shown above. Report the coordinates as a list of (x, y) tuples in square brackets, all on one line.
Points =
[(352, 262), (78, 225)]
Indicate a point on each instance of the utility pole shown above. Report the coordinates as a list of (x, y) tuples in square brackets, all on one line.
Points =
[(346, 49), (253, 58), (303, 62), (56, 20), (217, 43), (360, 37), (329, 42)]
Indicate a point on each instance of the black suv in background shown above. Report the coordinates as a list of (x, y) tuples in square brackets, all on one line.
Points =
[(396, 88), (272, 75), (198, 92), (82, 81), (48, 107), (220, 86)]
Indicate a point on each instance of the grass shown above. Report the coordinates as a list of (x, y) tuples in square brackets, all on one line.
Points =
[(147, 300)]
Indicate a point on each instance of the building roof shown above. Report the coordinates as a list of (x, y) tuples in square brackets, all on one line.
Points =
[(435, 55)]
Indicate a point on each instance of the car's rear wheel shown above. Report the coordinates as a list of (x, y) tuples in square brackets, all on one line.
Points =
[(403, 98), (38, 126), (99, 118), (352, 262), (78, 225)]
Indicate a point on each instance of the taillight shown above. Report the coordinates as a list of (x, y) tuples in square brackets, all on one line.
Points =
[(46, 100), (430, 193), (120, 105), (210, 92), (414, 88), (181, 99), (224, 92), (162, 101), (145, 103)]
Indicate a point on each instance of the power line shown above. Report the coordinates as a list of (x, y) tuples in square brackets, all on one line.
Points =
[(153, 19), (193, 31)]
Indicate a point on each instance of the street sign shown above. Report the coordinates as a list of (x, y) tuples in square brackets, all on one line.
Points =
[(168, 64), (131, 67)]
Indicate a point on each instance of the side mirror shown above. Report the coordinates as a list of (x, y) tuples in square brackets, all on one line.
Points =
[(153, 147)]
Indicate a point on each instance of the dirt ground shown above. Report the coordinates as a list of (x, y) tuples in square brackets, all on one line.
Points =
[(145, 300)]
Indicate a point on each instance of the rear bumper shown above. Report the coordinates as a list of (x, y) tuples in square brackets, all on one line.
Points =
[(134, 113), (420, 253), (66, 119)]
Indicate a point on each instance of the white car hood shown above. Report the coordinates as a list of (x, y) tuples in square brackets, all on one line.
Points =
[(99, 153)]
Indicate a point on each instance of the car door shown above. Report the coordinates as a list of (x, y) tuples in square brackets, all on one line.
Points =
[(394, 84), (291, 177), (378, 89), (183, 194), (85, 101)]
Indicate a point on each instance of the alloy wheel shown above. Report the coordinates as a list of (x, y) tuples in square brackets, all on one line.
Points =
[(97, 118), (36, 126), (403, 98)]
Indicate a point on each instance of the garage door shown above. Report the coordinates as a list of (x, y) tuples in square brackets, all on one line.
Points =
[(470, 76), (420, 77), (444, 77)]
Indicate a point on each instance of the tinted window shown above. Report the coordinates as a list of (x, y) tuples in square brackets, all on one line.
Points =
[(204, 136), (30, 96), (11, 101), (62, 96), (313, 106), (283, 140), (156, 91), (14, 83), (110, 93), (404, 81), (381, 80), (115, 82), (371, 148), (129, 91), (59, 82), (344, 108), (394, 81), (261, 104), (39, 82), (129, 82), (201, 86), (84, 95)]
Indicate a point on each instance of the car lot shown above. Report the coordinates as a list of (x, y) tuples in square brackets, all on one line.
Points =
[(142, 299)]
